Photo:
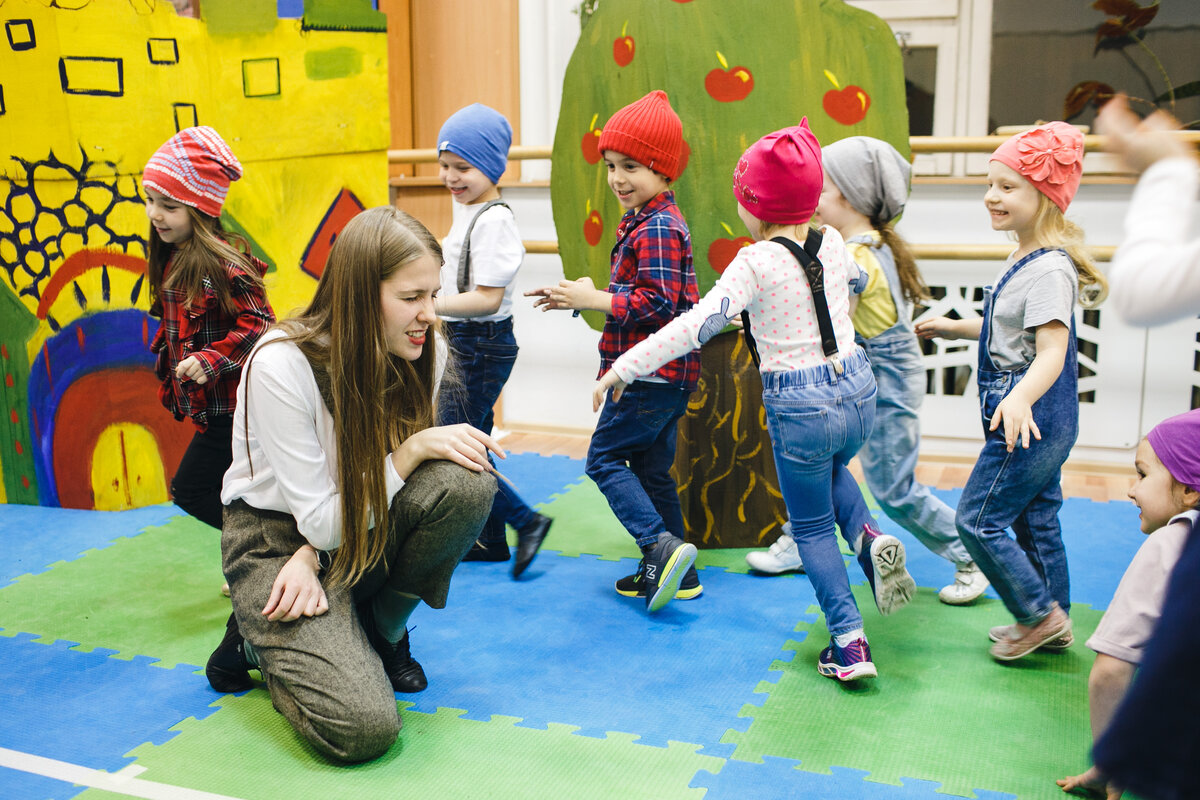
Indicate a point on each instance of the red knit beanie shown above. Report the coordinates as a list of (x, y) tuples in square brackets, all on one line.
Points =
[(1049, 156), (778, 179), (649, 132), (194, 167)]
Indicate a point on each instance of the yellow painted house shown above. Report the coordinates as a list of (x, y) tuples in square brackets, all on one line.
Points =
[(88, 91)]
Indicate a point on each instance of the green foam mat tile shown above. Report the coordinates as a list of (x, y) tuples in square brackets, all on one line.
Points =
[(154, 594), (247, 750), (941, 709), (584, 523)]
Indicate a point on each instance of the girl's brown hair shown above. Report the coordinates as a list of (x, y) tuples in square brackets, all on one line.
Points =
[(1052, 229), (912, 283), (198, 261), (379, 399)]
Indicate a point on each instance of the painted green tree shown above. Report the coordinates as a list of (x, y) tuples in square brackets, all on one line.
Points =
[(733, 72)]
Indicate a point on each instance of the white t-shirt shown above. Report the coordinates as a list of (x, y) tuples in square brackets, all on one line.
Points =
[(496, 254), (292, 445), (1043, 290), (1137, 604), (766, 280)]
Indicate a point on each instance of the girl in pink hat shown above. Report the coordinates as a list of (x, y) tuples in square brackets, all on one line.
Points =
[(1028, 386), (208, 291), (793, 287)]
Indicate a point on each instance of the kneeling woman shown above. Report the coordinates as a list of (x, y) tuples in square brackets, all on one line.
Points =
[(345, 507)]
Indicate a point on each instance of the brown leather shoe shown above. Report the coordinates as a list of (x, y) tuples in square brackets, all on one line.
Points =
[(1022, 640)]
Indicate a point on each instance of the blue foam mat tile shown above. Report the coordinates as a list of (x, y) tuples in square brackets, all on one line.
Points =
[(539, 478), (91, 709), (595, 660), (36, 536), (18, 785), (783, 779)]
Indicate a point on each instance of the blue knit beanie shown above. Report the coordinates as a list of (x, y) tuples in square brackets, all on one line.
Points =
[(479, 134)]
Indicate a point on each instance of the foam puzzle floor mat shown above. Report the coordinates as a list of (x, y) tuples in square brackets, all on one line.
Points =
[(550, 686)]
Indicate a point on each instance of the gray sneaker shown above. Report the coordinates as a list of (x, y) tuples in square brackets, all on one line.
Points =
[(666, 564)]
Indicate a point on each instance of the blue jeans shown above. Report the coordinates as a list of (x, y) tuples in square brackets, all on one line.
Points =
[(1021, 490), (889, 457), (631, 455), (485, 353), (817, 421)]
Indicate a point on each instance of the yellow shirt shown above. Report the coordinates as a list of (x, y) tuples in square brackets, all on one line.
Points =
[(876, 311)]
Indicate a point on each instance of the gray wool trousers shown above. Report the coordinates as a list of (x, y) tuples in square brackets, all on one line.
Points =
[(322, 673)]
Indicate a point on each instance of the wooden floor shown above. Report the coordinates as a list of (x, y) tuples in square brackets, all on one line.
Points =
[(1100, 484)]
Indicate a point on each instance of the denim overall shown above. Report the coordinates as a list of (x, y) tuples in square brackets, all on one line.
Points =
[(817, 420), (889, 457), (486, 353), (1021, 489)]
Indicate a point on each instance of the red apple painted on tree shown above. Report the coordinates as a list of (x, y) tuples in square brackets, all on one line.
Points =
[(730, 84), (623, 48), (722, 251), (847, 106), (685, 153), (591, 142), (593, 226)]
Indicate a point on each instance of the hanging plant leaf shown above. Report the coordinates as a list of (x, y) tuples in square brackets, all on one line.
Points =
[(1186, 90), (1085, 93), (1126, 20)]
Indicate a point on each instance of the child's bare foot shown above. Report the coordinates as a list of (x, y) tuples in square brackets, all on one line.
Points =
[(1090, 784)]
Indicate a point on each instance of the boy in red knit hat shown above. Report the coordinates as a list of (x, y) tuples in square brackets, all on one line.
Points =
[(652, 282)]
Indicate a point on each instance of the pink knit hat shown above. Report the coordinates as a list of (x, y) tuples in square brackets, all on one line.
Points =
[(1176, 442), (1049, 156), (778, 179), (194, 167), (649, 132)]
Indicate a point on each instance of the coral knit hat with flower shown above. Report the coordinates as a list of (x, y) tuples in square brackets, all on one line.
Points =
[(1049, 156)]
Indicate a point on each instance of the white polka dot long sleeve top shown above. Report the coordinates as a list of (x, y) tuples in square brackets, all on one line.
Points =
[(767, 281)]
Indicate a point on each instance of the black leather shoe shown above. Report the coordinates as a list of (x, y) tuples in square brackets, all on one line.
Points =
[(402, 669), (227, 669), (529, 539)]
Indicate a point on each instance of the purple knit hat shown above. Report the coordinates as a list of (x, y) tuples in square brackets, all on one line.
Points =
[(1176, 442)]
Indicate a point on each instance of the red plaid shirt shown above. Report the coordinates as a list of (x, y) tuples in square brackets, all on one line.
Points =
[(220, 341), (652, 282)]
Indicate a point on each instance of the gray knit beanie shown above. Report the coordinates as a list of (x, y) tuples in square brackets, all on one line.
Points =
[(870, 174)]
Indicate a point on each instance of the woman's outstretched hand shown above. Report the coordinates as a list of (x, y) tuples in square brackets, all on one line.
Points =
[(462, 444), (297, 591)]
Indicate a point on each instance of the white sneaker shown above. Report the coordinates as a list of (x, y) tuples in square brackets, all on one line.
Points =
[(780, 557), (969, 584)]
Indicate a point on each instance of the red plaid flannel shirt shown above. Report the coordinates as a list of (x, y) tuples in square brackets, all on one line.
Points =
[(652, 282), (220, 341)]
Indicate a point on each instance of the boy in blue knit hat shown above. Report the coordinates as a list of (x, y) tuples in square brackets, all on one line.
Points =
[(483, 252)]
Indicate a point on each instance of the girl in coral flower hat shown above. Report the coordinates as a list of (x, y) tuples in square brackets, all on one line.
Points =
[(1028, 391)]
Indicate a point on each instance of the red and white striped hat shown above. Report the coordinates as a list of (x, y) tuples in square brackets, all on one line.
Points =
[(194, 167)]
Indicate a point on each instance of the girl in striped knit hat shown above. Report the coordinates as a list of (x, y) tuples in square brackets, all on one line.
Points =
[(208, 291)]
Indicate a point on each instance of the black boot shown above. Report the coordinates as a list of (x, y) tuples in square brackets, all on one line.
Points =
[(402, 669), (227, 669)]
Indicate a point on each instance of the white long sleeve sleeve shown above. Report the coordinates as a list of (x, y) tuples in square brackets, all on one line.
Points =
[(1155, 275)]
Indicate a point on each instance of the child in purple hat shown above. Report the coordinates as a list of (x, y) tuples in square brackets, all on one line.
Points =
[(1167, 493)]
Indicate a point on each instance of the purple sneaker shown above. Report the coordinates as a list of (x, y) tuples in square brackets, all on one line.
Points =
[(847, 663)]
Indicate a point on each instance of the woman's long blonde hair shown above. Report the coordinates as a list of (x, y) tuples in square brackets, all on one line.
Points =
[(199, 260), (379, 399), (1052, 229)]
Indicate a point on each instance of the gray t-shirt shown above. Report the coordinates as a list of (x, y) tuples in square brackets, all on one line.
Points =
[(1043, 290)]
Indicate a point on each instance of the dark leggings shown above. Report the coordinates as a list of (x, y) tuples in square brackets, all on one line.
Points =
[(196, 487)]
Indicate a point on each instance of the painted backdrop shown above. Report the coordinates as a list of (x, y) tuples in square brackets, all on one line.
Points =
[(88, 90)]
